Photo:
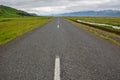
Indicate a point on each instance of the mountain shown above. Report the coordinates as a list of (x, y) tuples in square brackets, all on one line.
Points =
[(93, 13), (6, 11)]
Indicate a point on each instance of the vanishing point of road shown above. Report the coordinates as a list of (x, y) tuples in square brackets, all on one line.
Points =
[(59, 51)]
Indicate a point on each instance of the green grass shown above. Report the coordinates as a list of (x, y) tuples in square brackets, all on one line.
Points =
[(102, 20), (10, 28)]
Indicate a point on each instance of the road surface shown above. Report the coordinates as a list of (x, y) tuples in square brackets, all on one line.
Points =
[(59, 51)]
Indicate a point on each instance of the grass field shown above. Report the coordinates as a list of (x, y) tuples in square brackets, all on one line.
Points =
[(115, 21), (104, 20), (10, 28)]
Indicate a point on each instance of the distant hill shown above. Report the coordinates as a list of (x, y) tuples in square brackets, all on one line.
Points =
[(93, 13), (6, 11)]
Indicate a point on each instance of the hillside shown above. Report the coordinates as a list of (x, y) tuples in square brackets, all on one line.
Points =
[(94, 13), (6, 11)]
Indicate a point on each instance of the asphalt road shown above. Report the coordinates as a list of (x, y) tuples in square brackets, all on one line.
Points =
[(59, 49)]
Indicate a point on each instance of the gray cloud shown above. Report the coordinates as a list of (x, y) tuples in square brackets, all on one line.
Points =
[(61, 6)]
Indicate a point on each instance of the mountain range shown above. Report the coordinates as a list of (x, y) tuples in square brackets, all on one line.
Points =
[(6, 11), (92, 13)]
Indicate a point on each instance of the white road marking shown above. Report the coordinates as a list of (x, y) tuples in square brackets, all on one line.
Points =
[(57, 68), (58, 26)]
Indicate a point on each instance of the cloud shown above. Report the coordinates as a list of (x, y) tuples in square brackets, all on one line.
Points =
[(61, 6)]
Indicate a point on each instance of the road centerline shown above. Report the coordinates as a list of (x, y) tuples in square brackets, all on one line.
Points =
[(57, 68), (58, 26)]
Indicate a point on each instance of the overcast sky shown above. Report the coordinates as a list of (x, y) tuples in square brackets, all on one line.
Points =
[(61, 6)]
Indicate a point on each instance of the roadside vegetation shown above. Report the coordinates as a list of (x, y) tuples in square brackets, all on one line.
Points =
[(115, 38), (104, 20), (10, 28)]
